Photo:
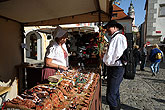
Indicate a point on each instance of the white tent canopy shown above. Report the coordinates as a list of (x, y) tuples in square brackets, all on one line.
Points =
[(41, 12)]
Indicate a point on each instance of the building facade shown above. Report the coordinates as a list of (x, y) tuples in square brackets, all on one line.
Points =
[(155, 17), (119, 15)]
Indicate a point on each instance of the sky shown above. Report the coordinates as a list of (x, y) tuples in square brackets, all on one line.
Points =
[(139, 6)]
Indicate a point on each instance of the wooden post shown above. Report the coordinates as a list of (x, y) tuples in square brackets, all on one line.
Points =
[(100, 61)]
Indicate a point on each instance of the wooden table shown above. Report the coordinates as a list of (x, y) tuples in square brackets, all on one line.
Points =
[(3, 93), (28, 76), (95, 100), (95, 103)]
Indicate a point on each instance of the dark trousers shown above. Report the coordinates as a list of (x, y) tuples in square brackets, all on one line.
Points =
[(143, 62), (114, 79), (104, 70)]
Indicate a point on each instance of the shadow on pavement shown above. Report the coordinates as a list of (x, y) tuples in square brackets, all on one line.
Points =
[(159, 100), (156, 80), (144, 74), (127, 107), (123, 106), (149, 71), (162, 65)]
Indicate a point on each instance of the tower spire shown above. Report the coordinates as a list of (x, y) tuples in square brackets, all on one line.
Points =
[(131, 12)]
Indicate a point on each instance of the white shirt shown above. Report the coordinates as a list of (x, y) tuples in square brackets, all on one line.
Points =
[(117, 45), (57, 55)]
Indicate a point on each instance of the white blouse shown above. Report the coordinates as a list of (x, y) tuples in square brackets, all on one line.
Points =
[(57, 55), (116, 48)]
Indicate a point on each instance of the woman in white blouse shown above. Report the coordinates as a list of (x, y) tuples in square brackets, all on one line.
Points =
[(56, 57)]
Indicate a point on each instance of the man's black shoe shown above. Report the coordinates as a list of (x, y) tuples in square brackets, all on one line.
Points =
[(114, 108), (119, 104)]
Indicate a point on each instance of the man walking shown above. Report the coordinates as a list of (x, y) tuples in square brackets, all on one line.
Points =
[(115, 69)]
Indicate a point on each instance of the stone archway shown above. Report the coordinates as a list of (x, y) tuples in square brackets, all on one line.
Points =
[(33, 45)]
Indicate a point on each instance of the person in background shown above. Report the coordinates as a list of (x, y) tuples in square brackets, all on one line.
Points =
[(136, 55), (160, 61), (115, 69), (143, 57), (56, 57), (154, 61)]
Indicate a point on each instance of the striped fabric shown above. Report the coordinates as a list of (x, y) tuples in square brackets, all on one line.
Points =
[(46, 72)]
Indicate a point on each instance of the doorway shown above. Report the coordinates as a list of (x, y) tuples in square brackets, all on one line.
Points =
[(34, 45)]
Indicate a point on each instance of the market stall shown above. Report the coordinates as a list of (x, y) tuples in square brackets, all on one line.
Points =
[(14, 15), (67, 90)]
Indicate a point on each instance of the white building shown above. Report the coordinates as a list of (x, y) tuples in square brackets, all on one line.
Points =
[(122, 18), (155, 21)]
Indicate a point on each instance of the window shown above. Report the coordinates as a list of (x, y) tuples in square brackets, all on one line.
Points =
[(114, 15), (162, 10)]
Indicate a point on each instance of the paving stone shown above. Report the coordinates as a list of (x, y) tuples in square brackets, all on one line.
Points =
[(145, 92)]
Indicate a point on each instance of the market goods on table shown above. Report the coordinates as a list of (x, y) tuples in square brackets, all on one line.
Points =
[(67, 91)]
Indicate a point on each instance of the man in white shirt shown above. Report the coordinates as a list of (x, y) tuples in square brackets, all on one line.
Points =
[(115, 69)]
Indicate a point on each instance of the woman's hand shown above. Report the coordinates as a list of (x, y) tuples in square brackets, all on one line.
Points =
[(63, 67)]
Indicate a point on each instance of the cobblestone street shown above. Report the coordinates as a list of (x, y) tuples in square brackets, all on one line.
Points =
[(145, 92)]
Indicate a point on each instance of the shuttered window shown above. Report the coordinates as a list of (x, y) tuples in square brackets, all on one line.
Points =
[(162, 10)]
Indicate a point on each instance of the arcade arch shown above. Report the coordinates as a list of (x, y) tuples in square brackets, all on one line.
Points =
[(33, 43)]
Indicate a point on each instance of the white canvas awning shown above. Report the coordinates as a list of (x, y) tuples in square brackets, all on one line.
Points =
[(53, 12), (70, 29)]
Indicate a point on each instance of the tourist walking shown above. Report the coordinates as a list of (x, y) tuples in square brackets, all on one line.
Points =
[(155, 58)]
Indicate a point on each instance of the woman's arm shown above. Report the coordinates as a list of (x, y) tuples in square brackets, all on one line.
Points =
[(48, 62)]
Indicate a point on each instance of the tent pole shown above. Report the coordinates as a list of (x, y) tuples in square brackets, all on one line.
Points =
[(100, 60)]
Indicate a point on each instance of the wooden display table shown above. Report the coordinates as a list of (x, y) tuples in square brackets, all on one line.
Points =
[(95, 104), (28, 76), (75, 91)]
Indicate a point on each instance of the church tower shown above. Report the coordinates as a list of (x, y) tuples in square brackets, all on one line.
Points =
[(131, 13)]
